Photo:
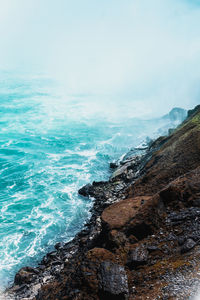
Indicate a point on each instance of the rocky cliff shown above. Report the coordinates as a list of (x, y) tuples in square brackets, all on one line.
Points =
[(143, 239)]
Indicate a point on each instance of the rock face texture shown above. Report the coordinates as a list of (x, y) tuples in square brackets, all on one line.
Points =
[(113, 281), (143, 239), (119, 214)]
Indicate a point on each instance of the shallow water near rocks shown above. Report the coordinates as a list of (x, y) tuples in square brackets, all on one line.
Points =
[(50, 146)]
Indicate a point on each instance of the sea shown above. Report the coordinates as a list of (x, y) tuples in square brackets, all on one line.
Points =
[(53, 142)]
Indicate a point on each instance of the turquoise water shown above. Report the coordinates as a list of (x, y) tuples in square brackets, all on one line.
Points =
[(51, 145)]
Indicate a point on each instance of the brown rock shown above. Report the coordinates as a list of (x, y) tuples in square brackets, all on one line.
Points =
[(119, 214), (100, 254), (89, 268)]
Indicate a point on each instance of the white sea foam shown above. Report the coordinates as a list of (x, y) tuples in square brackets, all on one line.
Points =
[(60, 147), (12, 186)]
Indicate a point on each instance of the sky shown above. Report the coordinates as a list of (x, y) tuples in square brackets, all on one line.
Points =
[(146, 51)]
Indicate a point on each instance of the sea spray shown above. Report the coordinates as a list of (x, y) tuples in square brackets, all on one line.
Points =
[(50, 146)]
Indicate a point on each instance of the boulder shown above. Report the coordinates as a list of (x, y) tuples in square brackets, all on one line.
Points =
[(113, 165), (89, 268), (119, 214), (85, 190), (113, 281), (100, 255)]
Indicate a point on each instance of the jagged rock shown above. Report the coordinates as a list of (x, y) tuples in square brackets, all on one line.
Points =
[(85, 190), (113, 281), (113, 165)]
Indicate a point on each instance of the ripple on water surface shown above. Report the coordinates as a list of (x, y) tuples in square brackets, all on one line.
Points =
[(48, 150)]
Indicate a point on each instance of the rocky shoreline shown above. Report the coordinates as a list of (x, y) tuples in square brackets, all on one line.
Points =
[(143, 239)]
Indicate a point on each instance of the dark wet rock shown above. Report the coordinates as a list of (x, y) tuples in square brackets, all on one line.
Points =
[(46, 259), (113, 165), (113, 281), (188, 245), (55, 270), (59, 246), (85, 190), (137, 257), (53, 254)]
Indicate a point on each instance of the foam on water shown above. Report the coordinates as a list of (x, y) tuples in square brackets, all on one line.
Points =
[(50, 146)]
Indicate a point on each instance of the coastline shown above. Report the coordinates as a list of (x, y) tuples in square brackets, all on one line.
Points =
[(103, 240), (27, 280)]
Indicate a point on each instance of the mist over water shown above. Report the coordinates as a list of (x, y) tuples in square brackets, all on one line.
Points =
[(50, 146), (106, 70), (146, 52)]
